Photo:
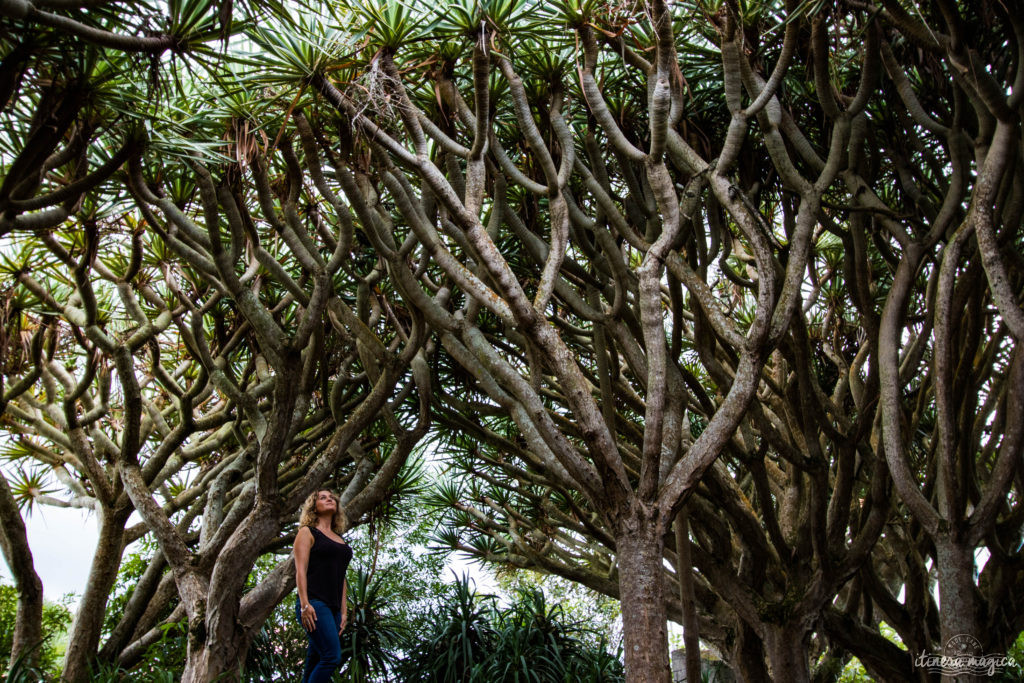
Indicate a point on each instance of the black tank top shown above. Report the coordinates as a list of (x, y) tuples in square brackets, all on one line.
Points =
[(325, 572)]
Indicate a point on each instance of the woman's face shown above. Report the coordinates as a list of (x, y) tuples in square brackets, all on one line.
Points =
[(325, 503)]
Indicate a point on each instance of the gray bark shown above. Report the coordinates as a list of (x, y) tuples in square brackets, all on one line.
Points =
[(28, 621), (84, 635), (787, 654), (687, 597), (641, 589), (958, 606)]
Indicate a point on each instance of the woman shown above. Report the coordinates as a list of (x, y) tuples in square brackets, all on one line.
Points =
[(321, 558)]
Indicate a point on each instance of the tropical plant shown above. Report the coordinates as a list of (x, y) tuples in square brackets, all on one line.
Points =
[(534, 641), (21, 670), (576, 604), (372, 638), (472, 638), (43, 661), (456, 644), (717, 303)]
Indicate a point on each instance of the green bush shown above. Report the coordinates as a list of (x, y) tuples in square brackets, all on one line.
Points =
[(56, 618), (474, 640)]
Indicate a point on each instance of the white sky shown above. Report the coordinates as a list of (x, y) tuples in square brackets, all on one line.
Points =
[(63, 542)]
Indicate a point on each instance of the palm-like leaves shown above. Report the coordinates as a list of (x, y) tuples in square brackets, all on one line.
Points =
[(388, 24), (473, 641), (291, 53), (27, 484), (467, 18), (458, 646), (369, 643)]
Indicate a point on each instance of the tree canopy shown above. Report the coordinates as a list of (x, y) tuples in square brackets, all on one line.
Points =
[(710, 306)]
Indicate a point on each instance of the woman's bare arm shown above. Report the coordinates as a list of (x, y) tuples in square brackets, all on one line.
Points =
[(303, 543)]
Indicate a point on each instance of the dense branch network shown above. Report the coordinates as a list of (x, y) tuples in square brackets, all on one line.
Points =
[(750, 276)]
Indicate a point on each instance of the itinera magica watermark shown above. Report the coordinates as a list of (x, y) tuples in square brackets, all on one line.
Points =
[(963, 654)]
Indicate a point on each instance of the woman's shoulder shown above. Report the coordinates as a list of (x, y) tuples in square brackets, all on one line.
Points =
[(304, 532)]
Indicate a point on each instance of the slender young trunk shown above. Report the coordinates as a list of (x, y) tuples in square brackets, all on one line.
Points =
[(958, 614), (84, 636), (144, 597), (687, 596), (641, 591), (28, 621), (787, 654)]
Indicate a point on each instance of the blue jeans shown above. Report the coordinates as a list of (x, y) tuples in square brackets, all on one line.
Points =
[(324, 652)]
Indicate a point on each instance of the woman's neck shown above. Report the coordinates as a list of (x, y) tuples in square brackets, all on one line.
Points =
[(323, 523)]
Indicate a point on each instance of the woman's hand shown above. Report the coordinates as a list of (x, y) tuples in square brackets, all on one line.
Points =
[(344, 622), (309, 617)]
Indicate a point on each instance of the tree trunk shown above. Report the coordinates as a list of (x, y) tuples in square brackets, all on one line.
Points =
[(217, 642), (747, 656), (218, 645), (218, 651), (84, 636), (787, 654), (146, 596), (641, 591), (687, 596), (220, 661), (28, 621), (958, 615), (228, 625), (232, 626)]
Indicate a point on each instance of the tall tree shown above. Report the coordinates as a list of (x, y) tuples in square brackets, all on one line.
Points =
[(149, 392), (573, 277), (717, 268), (173, 404), (904, 308), (63, 85)]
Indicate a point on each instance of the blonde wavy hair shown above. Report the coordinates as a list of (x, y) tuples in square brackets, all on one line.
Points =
[(307, 514)]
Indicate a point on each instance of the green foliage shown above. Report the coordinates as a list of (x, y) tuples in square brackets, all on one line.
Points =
[(466, 17), (56, 619), (387, 25), (289, 54), (164, 659), (405, 623), (166, 656), (537, 642), (409, 577), (373, 636), (472, 639), (578, 604), (171, 110), (1016, 653), (21, 671), (455, 647), (107, 672), (27, 484)]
